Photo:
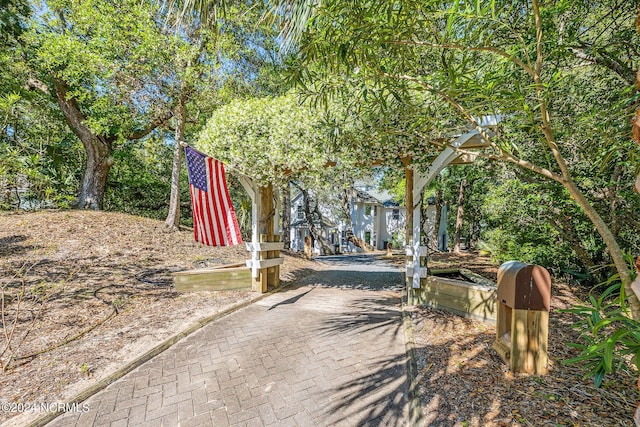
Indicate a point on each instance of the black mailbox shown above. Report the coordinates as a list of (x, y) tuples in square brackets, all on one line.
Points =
[(524, 286)]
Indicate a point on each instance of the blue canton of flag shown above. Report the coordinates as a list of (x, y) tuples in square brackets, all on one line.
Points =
[(196, 168)]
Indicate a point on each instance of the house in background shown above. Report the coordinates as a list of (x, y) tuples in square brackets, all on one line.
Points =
[(300, 226), (376, 219)]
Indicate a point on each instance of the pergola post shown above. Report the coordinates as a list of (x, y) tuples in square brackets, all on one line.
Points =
[(415, 183), (265, 246), (418, 253), (408, 202)]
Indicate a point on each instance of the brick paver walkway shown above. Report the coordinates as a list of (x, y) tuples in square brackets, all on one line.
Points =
[(328, 351)]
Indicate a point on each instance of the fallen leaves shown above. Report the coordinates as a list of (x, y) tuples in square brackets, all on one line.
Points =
[(481, 391)]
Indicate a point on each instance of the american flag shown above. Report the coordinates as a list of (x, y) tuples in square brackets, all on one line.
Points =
[(214, 220)]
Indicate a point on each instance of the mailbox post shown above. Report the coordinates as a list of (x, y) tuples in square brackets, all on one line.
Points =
[(522, 326)]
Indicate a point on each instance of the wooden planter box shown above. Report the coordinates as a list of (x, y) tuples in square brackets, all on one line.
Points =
[(224, 277), (475, 299)]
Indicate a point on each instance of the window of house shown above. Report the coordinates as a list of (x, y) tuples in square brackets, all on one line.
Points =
[(367, 209), (300, 212), (367, 237), (396, 214)]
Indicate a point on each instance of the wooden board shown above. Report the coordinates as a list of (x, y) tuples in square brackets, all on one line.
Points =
[(423, 272), (530, 334), (265, 263), (465, 299), (265, 246), (424, 251), (213, 279)]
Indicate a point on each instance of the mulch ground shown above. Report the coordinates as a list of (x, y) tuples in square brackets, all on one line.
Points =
[(85, 292), (463, 381)]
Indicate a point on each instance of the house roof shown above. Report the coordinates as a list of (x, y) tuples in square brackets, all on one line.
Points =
[(371, 195), (366, 197)]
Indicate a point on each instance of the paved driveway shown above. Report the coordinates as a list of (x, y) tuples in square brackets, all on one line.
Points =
[(327, 351)]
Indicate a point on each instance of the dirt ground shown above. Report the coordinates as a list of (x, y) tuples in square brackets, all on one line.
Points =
[(93, 291), (463, 381)]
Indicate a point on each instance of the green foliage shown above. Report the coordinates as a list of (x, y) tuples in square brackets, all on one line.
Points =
[(139, 182), (124, 67), (518, 227), (393, 181), (115, 57), (481, 58), (398, 239), (266, 138), (609, 336), (12, 13), (36, 175)]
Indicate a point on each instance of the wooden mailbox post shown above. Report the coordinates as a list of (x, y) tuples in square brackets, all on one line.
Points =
[(522, 329)]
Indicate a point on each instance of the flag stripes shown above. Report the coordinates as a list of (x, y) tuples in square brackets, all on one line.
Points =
[(214, 219)]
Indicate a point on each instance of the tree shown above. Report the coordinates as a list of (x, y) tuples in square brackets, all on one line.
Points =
[(278, 140), (231, 56), (108, 67), (475, 58), (268, 139), (39, 158)]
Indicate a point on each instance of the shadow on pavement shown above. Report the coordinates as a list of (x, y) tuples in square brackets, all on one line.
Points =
[(291, 300), (363, 280)]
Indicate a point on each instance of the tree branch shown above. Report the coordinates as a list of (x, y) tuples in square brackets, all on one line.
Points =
[(491, 49), (35, 84), (625, 73), (150, 127)]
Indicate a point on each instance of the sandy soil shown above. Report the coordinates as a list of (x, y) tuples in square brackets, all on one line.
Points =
[(85, 292)]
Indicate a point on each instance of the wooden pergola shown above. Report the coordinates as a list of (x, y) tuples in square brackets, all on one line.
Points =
[(417, 181), (265, 243)]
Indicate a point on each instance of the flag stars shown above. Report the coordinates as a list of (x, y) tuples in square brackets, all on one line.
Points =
[(197, 169)]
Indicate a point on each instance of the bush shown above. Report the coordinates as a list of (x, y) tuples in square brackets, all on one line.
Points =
[(610, 338)]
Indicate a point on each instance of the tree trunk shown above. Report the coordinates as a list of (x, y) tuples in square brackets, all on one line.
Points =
[(98, 151), (313, 233), (310, 215), (346, 208), (456, 239), (614, 249), (408, 201), (611, 193), (173, 216), (346, 217), (286, 216), (322, 237), (94, 181), (424, 217), (568, 231)]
